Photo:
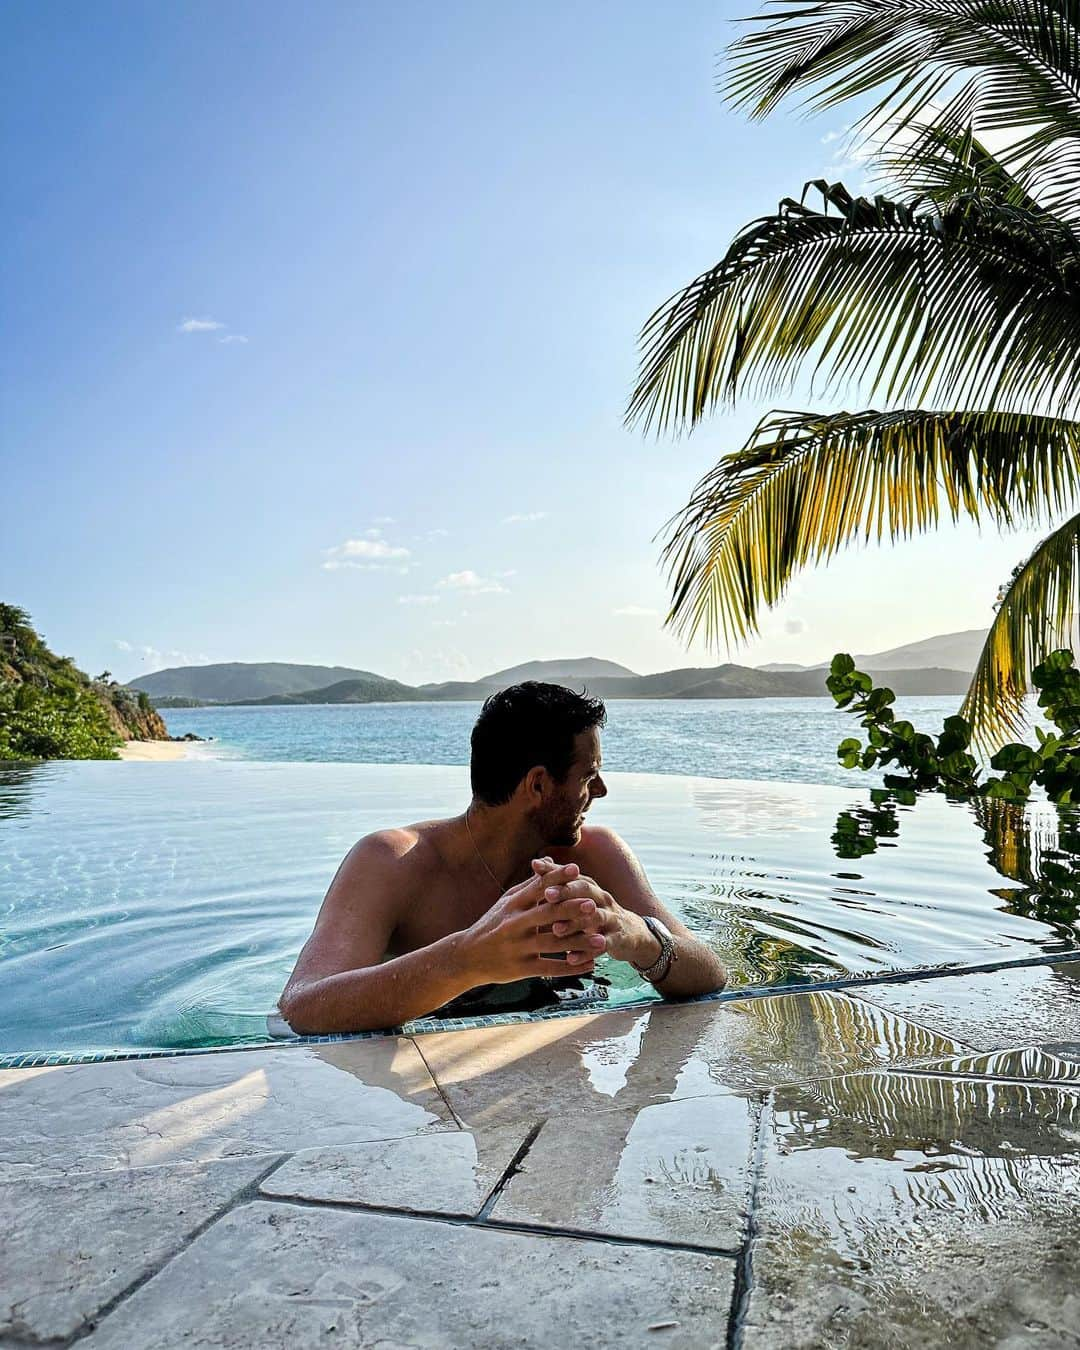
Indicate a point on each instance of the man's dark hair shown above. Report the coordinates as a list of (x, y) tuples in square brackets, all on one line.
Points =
[(525, 725)]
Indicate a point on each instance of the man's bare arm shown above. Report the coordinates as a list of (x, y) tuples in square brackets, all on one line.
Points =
[(618, 889), (341, 983)]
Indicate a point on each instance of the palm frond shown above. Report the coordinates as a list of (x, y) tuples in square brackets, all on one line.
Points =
[(975, 303), (807, 485), (1025, 54), (945, 160), (1010, 67), (1037, 614)]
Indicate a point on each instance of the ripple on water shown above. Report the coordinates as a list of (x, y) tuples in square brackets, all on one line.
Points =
[(163, 905)]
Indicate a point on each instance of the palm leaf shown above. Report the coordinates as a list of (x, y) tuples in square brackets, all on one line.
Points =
[(806, 485), (960, 304), (1036, 615), (1017, 61)]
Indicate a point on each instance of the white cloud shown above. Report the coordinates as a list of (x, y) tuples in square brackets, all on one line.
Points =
[(636, 612), (233, 337), (472, 583), (418, 599), (154, 658), (384, 520), (795, 626), (520, 518), (372, 548), (199, 326), (347, 564)]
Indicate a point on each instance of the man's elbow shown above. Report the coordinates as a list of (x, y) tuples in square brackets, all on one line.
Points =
[(301, 1012)]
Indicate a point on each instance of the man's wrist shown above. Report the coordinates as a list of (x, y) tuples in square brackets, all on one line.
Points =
[(646, 947)]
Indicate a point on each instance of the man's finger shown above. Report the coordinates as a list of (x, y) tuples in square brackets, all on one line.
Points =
[(539, 966), (530, 892), (569, 911), (589, 944), (581, 888)]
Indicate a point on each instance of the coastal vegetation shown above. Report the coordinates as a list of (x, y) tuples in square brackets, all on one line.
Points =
[(920, 762), (49, 709), (950, 298)]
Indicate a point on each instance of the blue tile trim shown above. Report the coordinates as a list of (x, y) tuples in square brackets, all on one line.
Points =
[(31, 1059)]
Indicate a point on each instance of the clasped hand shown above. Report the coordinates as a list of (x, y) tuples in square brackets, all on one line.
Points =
[(557, 910)]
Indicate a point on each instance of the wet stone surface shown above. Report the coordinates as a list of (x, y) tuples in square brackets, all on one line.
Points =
[(447, 1173), (1031, 1005), (894, 1206), (1034, 1064), (637, 1058), (676, 1172), (276, 1275), (192, 1108), (69, 1246)]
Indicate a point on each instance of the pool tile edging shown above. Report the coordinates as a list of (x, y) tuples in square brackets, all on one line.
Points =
[(36, 1059)]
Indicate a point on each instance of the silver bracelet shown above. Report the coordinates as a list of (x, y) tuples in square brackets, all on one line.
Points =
[(668, 955)]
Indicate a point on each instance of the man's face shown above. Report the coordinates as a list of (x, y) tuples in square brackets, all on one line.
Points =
[(563, 818)]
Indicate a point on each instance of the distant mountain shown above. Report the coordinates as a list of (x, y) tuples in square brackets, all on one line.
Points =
[(949, 651), (278, 683), (238, 681), (373, 689), (579, 668), (728, 681)]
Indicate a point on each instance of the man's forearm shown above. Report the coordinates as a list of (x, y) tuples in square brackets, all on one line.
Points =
[(695, 969), (375, 997)]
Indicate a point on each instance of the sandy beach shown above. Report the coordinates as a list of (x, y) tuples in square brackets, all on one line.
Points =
[(155, 750)]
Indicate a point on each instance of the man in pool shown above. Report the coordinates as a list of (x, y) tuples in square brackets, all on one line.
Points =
[(516, 888)]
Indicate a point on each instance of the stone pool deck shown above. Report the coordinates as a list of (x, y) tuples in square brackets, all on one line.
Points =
[(898, 1166)]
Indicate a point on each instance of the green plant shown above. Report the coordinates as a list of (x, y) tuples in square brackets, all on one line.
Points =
[(952, 298), (920, 762), (63, 723)]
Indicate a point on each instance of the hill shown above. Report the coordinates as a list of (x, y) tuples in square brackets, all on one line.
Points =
[(579, 668), (370, 690), (727, 681), (242, 681), (948, 651), (49, 709)]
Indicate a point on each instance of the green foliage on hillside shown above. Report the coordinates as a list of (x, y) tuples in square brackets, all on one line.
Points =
[(48, 708)]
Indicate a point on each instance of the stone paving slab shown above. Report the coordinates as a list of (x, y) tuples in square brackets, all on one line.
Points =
[(675, 1172), (635, 1058), (906, 1210), (197, 1107), (1030, 1005), (70, 1245), (447, 1173), (277, 1275)]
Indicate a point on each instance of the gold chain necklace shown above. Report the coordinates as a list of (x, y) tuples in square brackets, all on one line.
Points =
[(476, 850)]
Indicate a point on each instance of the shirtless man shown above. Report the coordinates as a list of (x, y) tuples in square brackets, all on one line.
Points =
[(517, 887)]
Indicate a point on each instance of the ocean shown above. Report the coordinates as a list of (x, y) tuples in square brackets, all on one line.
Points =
[(788, 739)]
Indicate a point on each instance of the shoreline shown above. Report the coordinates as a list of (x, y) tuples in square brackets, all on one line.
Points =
[(154, 751)]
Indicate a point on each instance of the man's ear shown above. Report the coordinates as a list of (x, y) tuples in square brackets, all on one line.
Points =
[(537, 784)]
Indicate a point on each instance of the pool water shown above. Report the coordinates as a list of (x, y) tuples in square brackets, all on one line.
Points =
[(163, 905)]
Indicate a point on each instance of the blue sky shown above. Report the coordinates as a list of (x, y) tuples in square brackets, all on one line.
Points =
[(321, 321)]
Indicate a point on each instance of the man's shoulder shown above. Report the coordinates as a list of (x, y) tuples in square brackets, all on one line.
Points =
[(403, 848), (596, 842)]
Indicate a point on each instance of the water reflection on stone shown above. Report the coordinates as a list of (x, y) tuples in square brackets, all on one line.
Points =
[(894, 1203)]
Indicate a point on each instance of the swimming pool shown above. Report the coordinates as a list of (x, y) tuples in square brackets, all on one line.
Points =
[(162, 905)]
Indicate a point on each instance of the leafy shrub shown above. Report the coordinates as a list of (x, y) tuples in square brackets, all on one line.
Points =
[(53, 723), (944, 763)]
